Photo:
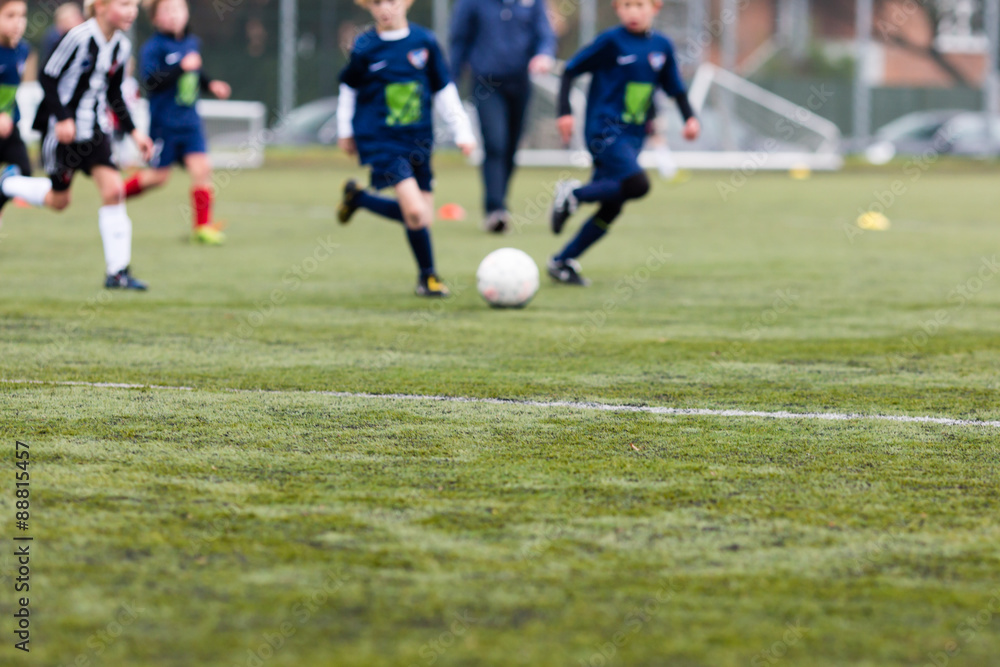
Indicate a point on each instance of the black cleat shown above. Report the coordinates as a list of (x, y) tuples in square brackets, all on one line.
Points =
[(124, 280), (348, 204), (431, 286), (11, 170), (497, 222), (567, 272), (563, 204)]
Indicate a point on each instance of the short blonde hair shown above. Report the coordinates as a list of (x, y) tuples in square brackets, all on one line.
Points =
[(88, 8), (364, 3), (151, 6)]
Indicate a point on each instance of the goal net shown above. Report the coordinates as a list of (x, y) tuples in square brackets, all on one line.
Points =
[(743, 125)]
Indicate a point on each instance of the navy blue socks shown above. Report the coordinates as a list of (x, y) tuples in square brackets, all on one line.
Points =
[(387, 208)]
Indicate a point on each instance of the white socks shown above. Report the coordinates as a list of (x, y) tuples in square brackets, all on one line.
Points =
[(116, 233), (31, 190)]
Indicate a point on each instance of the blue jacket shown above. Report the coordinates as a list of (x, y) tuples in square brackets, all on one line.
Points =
[(498, 37)]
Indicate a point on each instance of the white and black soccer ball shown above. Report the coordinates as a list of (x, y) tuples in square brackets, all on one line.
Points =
[(507, 278)]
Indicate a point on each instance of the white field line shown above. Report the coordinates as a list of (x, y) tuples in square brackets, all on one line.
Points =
[(569, 405)]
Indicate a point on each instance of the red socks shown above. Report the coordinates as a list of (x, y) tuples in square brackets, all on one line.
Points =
[(201, 206), (132, 186)]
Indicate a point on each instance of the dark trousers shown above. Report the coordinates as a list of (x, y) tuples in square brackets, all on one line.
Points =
[(502, 106)]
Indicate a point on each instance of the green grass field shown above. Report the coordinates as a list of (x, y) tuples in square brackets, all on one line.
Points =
[(251, 519)]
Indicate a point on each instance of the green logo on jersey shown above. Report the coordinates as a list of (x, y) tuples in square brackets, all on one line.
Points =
[(187, 89), (403, 100), (8, 95), (637, 99)]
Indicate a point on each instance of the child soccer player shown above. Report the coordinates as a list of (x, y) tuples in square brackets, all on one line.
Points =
[(172, 75), (384, 115), (628, 63), (81, 79), (13, 54)]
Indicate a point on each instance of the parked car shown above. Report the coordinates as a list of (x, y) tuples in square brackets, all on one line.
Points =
[(942, 132), (312, 123)]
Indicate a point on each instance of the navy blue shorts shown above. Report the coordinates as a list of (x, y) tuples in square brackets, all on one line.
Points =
[(388, 171), (617, 159), (172, 145)]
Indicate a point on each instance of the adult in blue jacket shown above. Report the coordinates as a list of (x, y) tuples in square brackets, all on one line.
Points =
[(502, 42)]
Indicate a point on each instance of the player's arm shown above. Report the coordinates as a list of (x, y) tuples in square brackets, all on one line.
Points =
[(217, 87), (55, 67), (446, 99), (673, 85), (351, 78), (545, 42), (119, 108), (591, 58), (464, 27)]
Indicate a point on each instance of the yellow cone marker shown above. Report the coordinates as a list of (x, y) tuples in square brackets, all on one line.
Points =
[(873, 221)]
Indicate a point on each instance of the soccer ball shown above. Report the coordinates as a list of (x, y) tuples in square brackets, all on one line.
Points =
[(507, 278)]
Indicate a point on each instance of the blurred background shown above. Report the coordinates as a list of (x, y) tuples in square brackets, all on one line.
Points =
[(859, 64)]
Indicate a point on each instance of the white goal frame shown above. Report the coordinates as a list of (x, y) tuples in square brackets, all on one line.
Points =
[(827, 157)]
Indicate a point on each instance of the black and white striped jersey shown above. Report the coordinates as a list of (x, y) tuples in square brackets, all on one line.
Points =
[(82, 78)]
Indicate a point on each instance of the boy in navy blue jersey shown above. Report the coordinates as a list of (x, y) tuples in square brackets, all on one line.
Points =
[(173, 77), (628, 64), (13, 54), (384, 115)]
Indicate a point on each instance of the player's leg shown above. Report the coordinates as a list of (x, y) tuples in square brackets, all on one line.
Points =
[(14, 154), (115, 226), (612, 158), (386, 173), (518, 97), (416, 200), (146, 179), (199, 167), (620, 158), (494, 111), (51, 192), (158, 174), (564, 267)]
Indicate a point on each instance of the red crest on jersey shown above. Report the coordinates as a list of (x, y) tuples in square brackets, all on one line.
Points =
[(418, 58)]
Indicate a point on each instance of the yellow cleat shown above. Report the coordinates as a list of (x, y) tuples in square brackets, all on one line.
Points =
[(208, 235), (432, 286)]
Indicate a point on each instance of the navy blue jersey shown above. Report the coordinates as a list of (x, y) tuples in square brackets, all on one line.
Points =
[(11, 68), (173, 93), (395, 82), (626, 70)]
